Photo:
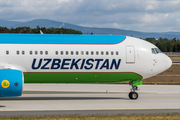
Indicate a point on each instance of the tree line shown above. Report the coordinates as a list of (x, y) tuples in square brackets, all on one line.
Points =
[(36, 30), (166, 45)]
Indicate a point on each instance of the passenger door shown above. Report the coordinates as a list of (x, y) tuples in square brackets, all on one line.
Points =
[(130, 54)]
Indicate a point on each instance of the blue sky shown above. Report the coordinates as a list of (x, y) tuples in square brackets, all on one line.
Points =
[(138, 15)]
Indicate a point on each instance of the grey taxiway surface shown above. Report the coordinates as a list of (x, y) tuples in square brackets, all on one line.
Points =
[(91, 99)]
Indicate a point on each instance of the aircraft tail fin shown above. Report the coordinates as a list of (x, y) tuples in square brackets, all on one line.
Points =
[(41, 32)]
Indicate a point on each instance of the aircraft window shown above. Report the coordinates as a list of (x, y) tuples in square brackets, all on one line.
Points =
[(61, 52), (107, 53), (77, 52), (158, 50), (41, 52), (23, 52), (112, 53), (82, 53), (117, 53), (92, 53), (72, 52), (7, 52), (30, 52), (36, 52), (46, 52), (17, 52), (97, 53), (56, 52), (87, 53), (102, 53), (66, 52), (153, 51)]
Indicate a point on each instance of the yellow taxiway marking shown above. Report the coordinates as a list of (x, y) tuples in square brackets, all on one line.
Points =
[(90, 109)]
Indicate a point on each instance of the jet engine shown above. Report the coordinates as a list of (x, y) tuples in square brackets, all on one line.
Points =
[(11, 83)]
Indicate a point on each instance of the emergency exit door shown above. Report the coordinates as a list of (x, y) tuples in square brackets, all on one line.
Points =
[(130, 54)]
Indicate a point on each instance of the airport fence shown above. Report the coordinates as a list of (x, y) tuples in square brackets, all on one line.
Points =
[(172, 53)]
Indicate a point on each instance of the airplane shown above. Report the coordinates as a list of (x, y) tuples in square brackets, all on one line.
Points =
[(55, 58)]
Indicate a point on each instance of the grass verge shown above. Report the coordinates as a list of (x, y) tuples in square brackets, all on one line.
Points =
[(161, 83), (153, 83)]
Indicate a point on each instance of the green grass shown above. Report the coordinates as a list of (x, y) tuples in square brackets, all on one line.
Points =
[(118, 117)]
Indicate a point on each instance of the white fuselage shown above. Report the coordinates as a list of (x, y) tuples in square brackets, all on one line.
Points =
[(135, 54)]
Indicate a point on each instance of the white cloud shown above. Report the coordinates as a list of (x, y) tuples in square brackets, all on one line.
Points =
[(116, 25), (141, 15), (150, 7), (61, 1), (149, 18), (166, 15)]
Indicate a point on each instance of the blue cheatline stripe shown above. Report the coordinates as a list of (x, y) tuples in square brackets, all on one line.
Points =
[(60, 39)]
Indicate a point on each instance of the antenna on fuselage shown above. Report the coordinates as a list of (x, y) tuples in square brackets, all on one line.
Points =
[(41, 32)]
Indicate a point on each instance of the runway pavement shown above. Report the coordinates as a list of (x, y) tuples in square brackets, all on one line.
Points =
[(91, 99)]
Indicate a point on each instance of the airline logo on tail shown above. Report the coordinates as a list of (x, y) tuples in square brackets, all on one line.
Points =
[(78, 64)]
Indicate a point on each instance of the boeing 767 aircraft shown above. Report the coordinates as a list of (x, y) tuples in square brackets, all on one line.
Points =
[(36, 58)]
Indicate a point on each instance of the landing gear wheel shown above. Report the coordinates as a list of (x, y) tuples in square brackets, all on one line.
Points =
[(133, 95)]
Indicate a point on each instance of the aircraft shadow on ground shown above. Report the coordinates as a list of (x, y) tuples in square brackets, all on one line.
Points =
[(2, 106), (62, 98), (67, 92)]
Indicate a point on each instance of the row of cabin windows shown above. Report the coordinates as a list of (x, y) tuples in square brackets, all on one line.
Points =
[(71, 53), (30, 52), (87, 53)]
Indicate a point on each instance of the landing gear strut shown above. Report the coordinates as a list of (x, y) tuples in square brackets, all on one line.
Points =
[(133, 95)]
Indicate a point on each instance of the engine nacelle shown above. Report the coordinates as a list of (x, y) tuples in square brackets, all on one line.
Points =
[(11, 83)]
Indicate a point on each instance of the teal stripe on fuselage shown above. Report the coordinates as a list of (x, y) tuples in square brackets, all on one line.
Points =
[(60, 39)]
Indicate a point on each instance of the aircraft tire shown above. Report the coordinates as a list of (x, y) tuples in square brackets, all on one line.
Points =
[(133, 95)]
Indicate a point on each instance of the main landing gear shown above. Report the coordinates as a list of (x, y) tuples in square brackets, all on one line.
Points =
[(133, 95)]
